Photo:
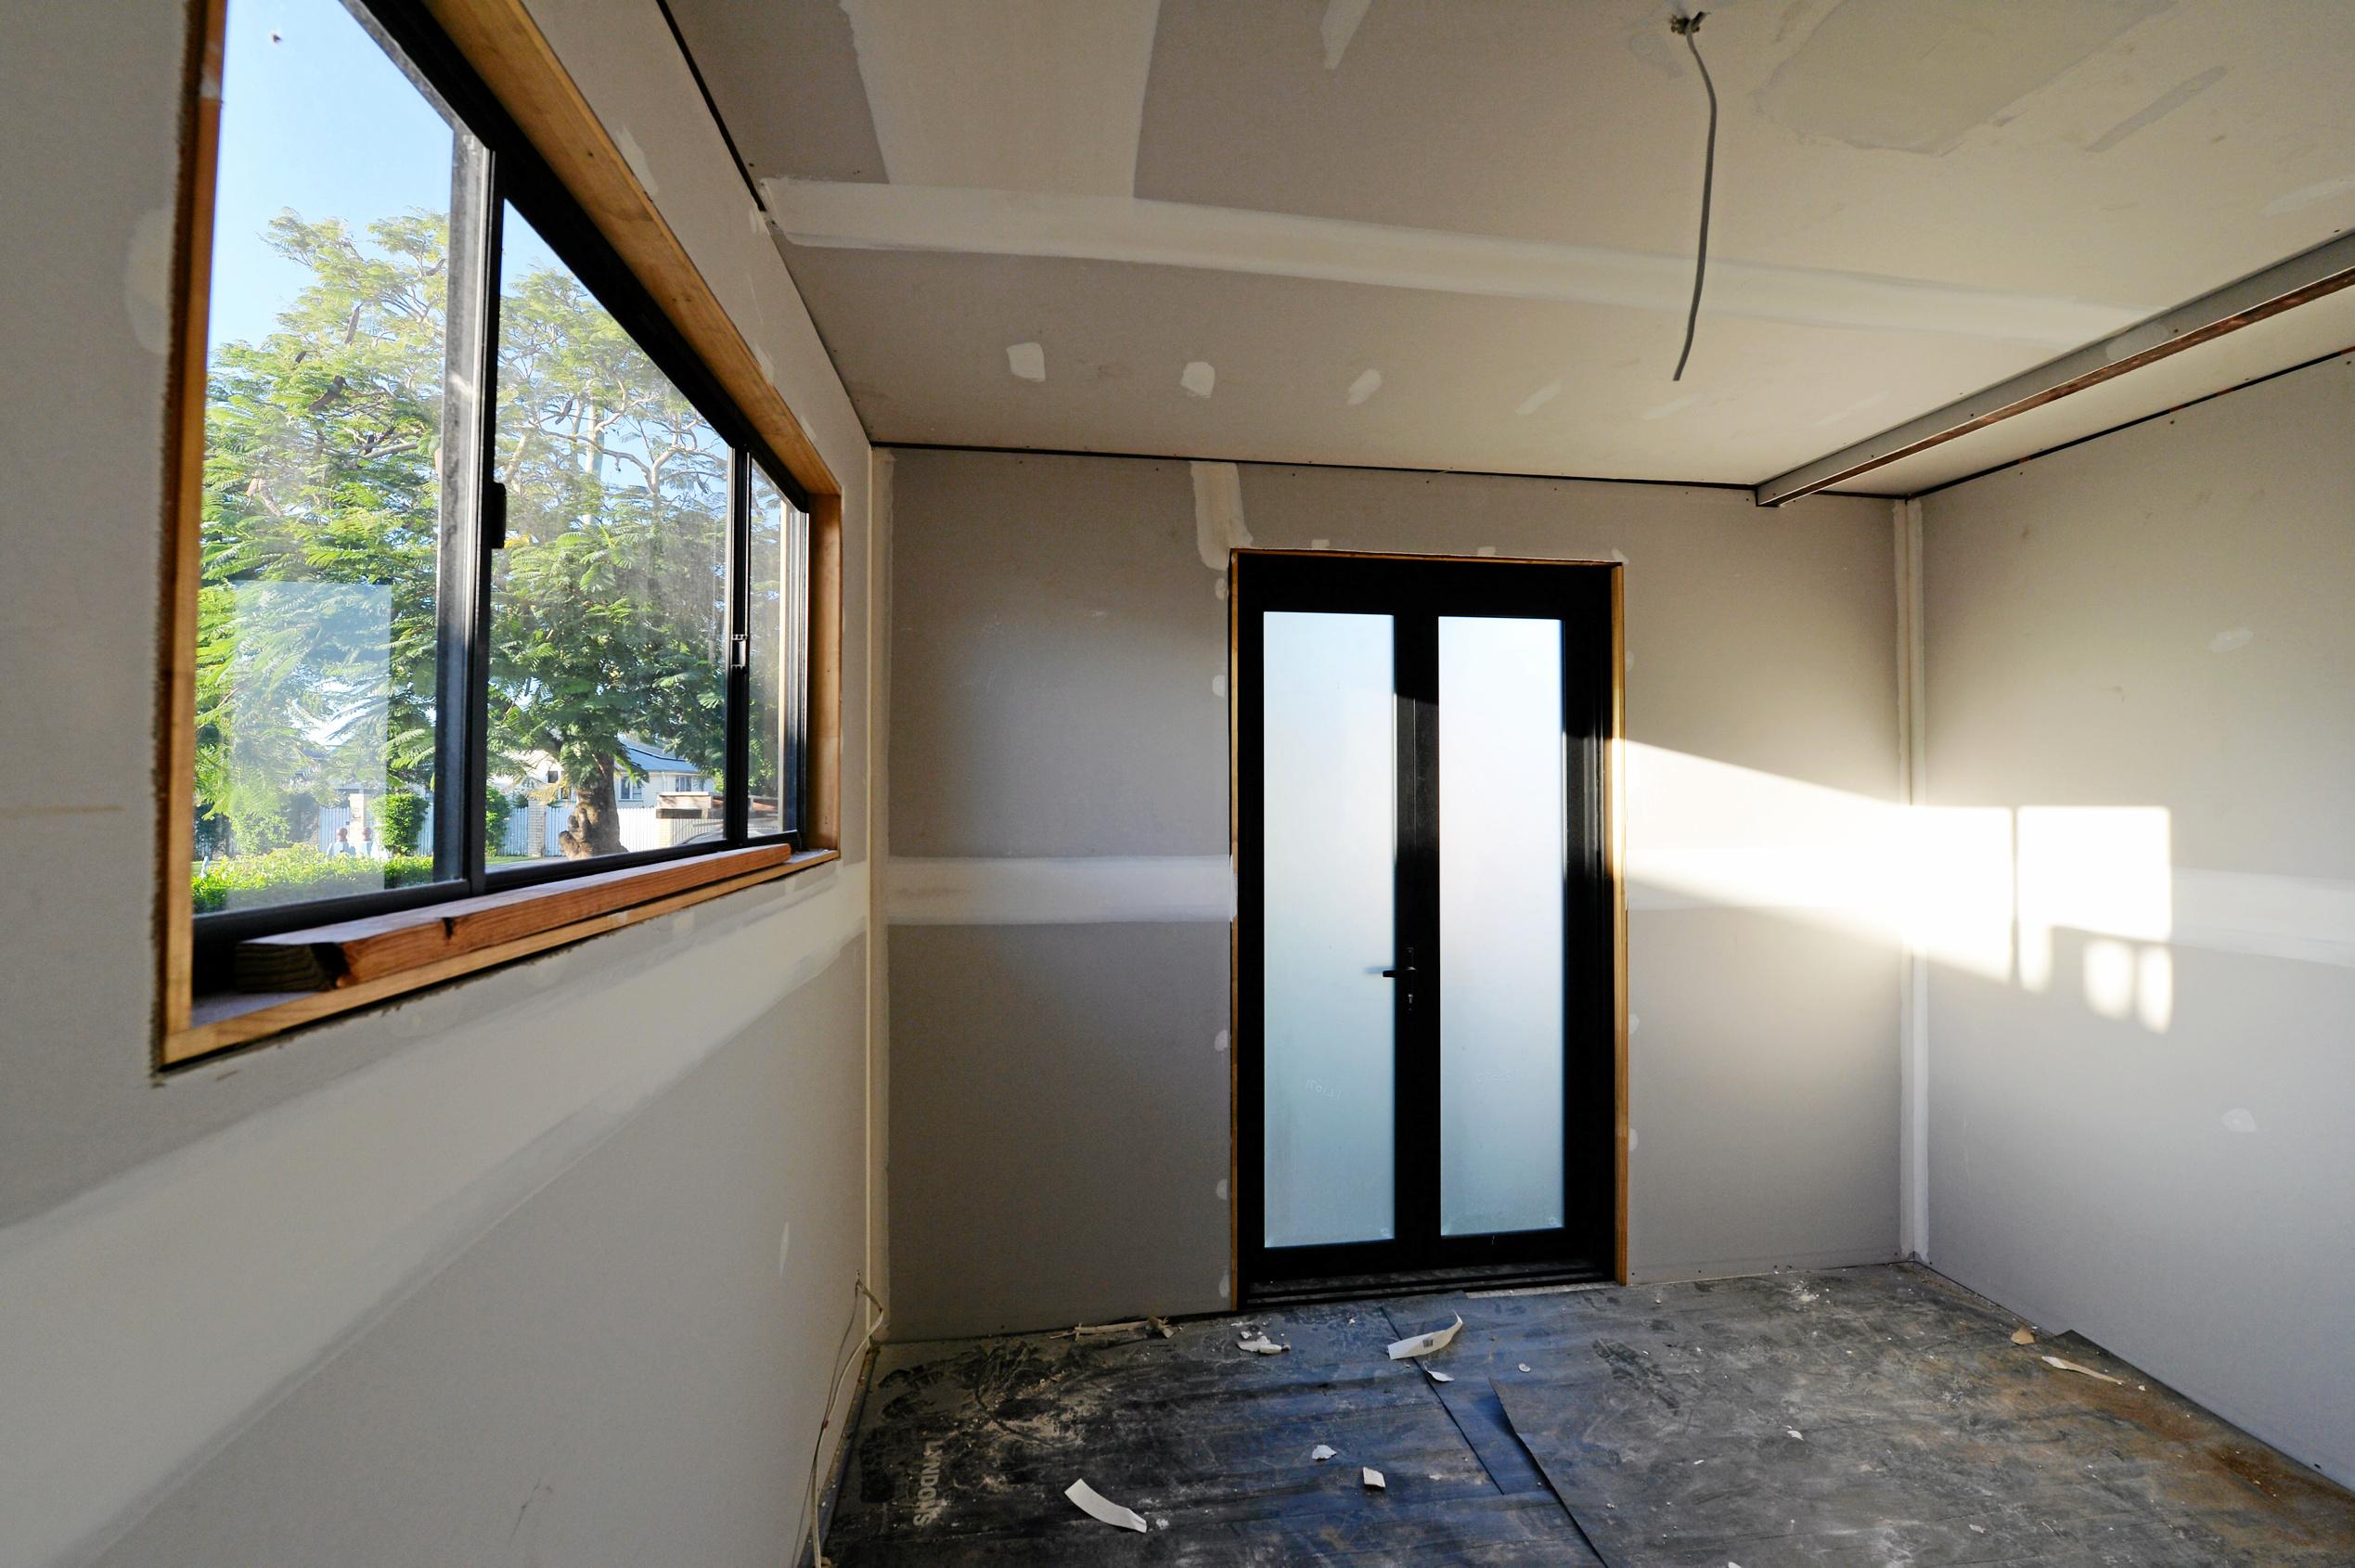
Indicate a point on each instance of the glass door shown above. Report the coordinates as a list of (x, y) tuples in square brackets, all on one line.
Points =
[(1330, 1027), (1427, 970)]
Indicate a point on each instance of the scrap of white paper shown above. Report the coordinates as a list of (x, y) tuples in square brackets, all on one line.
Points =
[(1424, 1344), (1096, 1506), (2060, 1366), (1322, 1452), (1374, 1480), (1260, 1345), (1438, 1376)]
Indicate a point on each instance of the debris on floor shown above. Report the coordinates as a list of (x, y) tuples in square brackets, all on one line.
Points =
[(1436, 1375), (1260, 1345), (1643, 1435), (1414, 1345), (1135, 1328), (2060, 1366), (1096, 1506), (1373, 1479), (2023, 1335)]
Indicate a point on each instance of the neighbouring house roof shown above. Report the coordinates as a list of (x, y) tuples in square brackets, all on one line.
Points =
[(646, 759), (642, 759)]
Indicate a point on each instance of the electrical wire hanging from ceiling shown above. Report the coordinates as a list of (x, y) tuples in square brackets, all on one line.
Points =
[(1684, 28)]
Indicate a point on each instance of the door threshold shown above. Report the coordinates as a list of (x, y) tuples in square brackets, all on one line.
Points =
[(1424, 1281)]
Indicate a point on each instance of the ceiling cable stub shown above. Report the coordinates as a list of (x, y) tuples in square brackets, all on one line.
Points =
[(1686, 28)]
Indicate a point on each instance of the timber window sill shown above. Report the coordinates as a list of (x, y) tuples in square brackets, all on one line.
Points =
[(301, 977)]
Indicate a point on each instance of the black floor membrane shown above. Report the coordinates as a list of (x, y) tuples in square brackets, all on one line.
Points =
[(1656, 1422)]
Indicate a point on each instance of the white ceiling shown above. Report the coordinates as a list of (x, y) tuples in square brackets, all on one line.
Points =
[(1458, 233)]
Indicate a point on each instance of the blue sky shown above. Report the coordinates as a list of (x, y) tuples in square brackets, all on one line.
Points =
[(315, 118)]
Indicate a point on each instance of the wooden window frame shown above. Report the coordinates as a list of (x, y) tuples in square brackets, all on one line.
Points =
[(361, 963)]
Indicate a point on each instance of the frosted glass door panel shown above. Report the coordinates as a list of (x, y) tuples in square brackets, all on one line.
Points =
[(1503, 853), (1328, 779)]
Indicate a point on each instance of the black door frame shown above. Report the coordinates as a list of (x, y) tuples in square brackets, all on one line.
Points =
[(1417, 591)]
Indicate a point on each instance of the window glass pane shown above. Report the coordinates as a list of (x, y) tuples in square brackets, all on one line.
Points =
[(1503, 850), (1330, 776), (321, 504), (608, 604), (775, 598)]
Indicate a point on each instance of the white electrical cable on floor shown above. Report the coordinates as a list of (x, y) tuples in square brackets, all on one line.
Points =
[(861, 1299)]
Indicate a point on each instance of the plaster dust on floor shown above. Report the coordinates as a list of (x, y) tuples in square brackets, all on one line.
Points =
[(1787, 1417)]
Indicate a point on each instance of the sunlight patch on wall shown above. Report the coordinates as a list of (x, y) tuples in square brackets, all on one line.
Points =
[(2100, 869), (1983, 890)]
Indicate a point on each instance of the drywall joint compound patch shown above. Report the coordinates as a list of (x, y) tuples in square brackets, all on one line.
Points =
[(1027, 361), (634, 157), (1218, 513), (1340, 25), (147, 280)]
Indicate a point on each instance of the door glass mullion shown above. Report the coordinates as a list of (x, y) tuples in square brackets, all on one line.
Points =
[(1421, 980)]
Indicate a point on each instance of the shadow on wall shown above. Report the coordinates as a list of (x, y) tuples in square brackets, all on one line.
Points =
[(1988, 890)]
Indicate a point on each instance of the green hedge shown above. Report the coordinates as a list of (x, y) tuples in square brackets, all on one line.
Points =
[(400, 819), (299, 871)]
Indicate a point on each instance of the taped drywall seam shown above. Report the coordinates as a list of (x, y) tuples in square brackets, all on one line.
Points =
[(134, 1308), (1099, 891), (2309, 920), (866, 215), (1218, 513), (1913, 1000)]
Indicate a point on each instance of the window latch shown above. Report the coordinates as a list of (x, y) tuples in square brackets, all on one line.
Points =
[(739, 651), (494, 515)]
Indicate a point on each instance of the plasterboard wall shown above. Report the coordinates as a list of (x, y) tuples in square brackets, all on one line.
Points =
[(1059, 887), (419, 1282), (2144, 1139)]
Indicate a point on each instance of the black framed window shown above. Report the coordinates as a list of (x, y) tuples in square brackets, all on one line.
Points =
[(497, 587)]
